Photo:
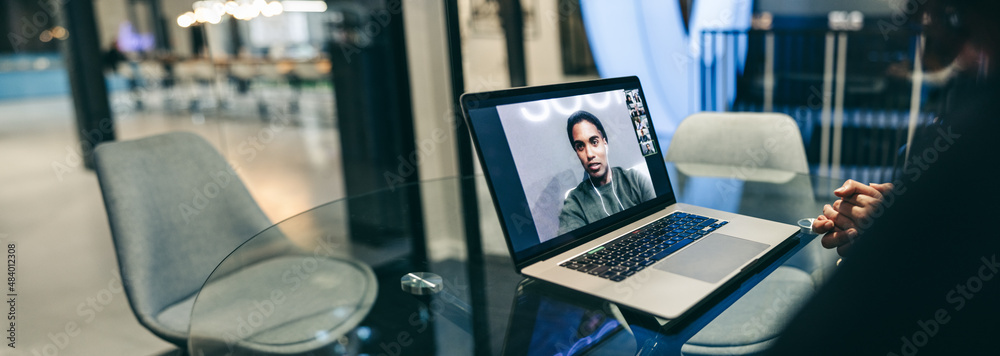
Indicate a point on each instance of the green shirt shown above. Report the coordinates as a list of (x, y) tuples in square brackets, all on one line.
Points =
[(583, 204)]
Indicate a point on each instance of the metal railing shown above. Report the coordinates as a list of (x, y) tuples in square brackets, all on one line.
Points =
[(858, 96)]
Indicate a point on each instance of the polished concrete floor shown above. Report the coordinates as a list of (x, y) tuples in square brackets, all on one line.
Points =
[(68, 302)]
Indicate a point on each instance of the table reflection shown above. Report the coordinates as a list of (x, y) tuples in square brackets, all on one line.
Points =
[(502, 313)]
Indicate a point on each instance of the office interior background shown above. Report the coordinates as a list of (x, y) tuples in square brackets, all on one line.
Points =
[(291, 93)]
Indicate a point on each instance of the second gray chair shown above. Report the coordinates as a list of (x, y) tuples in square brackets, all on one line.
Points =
[(754, 147), (709, 143)]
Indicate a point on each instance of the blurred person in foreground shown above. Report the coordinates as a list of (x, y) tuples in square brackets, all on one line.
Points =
[(921, 273)]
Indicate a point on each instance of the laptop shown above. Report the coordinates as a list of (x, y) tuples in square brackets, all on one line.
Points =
[(584, 198)]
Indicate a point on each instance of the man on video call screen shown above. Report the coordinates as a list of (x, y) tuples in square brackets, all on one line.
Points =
[(579, 158), (607, 189)]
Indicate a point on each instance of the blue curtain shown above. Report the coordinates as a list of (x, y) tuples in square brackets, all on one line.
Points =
[(646, 38)]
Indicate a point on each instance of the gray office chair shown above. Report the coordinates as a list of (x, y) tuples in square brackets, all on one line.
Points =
[(712, 144), (176, 210)]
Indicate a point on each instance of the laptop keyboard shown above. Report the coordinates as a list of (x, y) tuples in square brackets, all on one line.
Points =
[(623, 257)]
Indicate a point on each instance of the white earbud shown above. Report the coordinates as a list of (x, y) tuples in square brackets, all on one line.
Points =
[(599, 196)]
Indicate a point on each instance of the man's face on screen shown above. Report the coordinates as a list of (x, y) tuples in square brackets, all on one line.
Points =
[(591, 148)]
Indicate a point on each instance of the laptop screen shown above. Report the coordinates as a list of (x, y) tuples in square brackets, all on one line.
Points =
[(567, 160)]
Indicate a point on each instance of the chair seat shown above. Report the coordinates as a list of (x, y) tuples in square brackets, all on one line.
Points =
[(754, 321), (278, 306)]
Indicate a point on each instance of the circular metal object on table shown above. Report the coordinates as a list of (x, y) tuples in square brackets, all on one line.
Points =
[(421, 283), (805, 226)]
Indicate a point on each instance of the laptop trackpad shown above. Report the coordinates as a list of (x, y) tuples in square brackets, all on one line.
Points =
[(712, 258)]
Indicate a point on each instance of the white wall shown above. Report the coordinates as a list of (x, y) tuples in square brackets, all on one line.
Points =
[(485, 55), (434, 131), (430, 88), (542, 50)]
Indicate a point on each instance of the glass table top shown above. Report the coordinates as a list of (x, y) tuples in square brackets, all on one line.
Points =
[(346, 278)]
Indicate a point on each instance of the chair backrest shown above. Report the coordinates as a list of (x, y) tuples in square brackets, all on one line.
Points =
[(176, 210), (152, 70), (308, 70), (757, 141), (243, 69)]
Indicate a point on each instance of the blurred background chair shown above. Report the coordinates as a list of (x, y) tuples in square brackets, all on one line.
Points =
[(762, 149), (241, 76), (176, 210), (129, 71), (196, 78), (153, 76), (709, 143), (275, 90)]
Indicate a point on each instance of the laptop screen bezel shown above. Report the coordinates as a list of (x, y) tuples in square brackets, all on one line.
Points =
[(562, 243)]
